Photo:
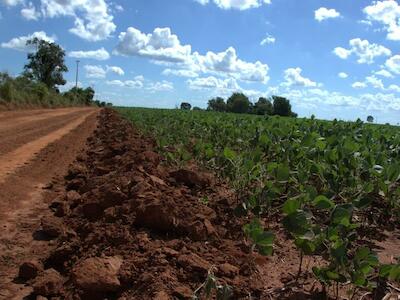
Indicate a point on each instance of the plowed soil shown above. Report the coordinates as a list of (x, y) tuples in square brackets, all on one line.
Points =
[(123, 224)]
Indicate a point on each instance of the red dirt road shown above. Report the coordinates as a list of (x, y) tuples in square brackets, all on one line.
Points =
[(36, 147)]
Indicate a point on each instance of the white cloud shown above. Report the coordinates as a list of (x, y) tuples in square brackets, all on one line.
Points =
[(19, 43), (365, 51), (159, 45), (160, 86), (93, 21), (268, 40), (127, 83), (324, 13), (164, 48), (95, 71), (384, 73), (374, 82), (115, 70), (293, 78), (236, 4), (342, 52), (212, 82), (100, 54), (12, 2), (393, 64), (388, 14), (343, 75), (394, 88), (30, 13), (359, 85), (180, 73)]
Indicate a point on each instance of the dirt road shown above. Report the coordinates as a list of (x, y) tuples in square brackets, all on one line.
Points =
[(36, 148)]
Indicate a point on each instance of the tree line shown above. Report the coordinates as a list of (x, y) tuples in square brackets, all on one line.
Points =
[(38, 85), (240, 103)]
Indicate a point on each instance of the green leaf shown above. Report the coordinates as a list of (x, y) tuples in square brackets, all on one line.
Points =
[(291, 206), (322, 202), (266, 239), (341, 216), (229, 154), (282, 173), (296, 223), (264, 140)]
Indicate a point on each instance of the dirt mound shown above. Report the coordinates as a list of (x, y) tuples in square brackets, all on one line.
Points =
[(130, 227)]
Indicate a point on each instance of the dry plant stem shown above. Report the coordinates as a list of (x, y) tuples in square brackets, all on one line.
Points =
[(300, 266)]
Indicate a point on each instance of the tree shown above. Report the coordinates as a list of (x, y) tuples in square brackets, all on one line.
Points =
[(196, 108), (282, 106), (263, 107), (186, 106), (80, 95), (370, 119), (238, 103), (217, 104), (47, 63)]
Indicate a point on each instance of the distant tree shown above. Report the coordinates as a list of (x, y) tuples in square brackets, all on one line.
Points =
[(238, 103), (196, 108), (46, 64), (263, 107), (282, 106), (80, 95), (217, 104), (370, 119), (186, 106)]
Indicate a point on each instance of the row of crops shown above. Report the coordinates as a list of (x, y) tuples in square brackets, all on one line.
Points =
[(329, 182)]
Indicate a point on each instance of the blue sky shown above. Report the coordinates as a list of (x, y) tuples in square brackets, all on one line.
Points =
[(334, 59)]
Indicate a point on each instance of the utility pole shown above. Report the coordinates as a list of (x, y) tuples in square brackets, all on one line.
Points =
[(77, 72)]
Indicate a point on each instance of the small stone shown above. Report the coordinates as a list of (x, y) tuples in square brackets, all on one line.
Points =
[(29, 270), (48, 283), (52, 227), (228, 270), (98, 275), (161, 296)]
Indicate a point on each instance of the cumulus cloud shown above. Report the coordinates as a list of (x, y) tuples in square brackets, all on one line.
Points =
[(12, 2), (394, 88), (324, 13), (293, 78), (236, 4), (127, 83), (268, 40), (19, 43), (212, 82), (365, 51), (160, 86), (159, 45), (384, 73), (115, 70), (92, 18), (343, 75), (95, 71), (30, 13), (180, 73), (393, 64), (163, 47), (374, 82), (100, 54), (388, 14)]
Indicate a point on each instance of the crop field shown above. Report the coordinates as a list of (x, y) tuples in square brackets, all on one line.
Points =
[(332, 186)]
